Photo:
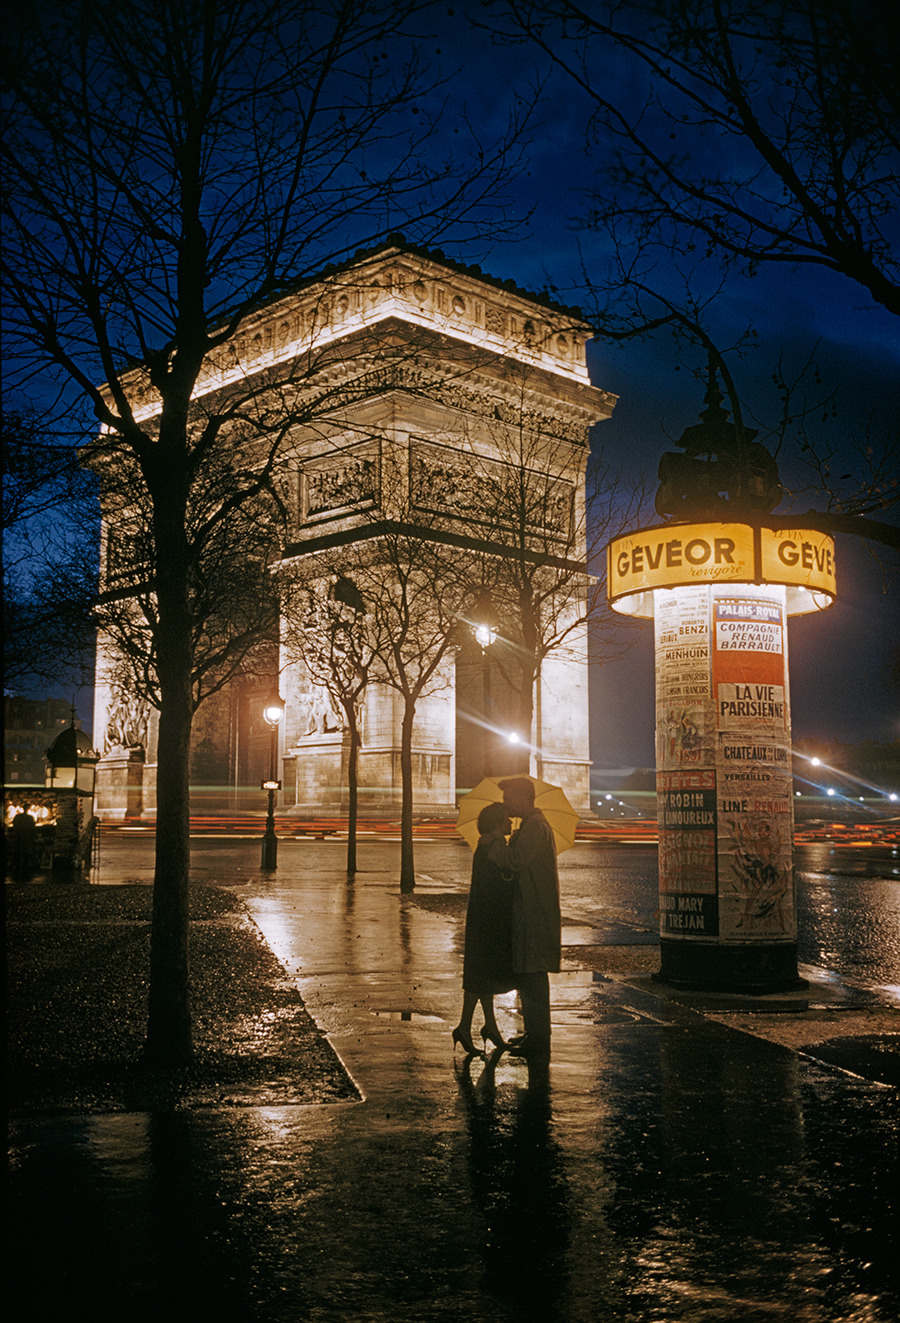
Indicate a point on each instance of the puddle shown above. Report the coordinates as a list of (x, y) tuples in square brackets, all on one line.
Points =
[(573, 978), (872, 1056), (409, 1016), (609, 934)]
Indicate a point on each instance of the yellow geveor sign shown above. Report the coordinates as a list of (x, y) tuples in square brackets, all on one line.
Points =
[(798, 556), (676, 554)]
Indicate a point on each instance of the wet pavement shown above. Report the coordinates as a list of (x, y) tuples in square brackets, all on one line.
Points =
[(669, 1166)]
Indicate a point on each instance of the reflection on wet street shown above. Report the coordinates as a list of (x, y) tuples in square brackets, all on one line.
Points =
[(520, 1188), (848, 902), (665, 1168), (696, 1180), (849, 911)]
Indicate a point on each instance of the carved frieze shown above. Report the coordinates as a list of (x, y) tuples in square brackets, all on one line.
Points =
[(316, 712), (393, 285), (488, 493), (564, 421), (339, 484)]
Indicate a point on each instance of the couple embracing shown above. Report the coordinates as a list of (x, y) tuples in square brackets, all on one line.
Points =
[(512, 922)]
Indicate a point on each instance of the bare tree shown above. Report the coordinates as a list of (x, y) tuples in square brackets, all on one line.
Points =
[(235, 515), (530, 508), (551, 506), (168, 168), (393, 624), (324, 626), (804, 93), (728, 137), (416, 603)]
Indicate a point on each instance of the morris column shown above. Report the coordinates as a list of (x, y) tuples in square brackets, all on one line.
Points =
[(719, 594)]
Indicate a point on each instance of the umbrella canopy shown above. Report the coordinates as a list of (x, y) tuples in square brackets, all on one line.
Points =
[(548, 798)]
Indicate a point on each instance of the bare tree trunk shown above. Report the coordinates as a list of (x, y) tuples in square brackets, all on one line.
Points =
[(520, 755), (352, 795), (169, 1043), (529, 672), (407, 861)]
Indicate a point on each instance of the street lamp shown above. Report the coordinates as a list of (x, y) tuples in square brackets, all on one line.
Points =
[(273, 711)]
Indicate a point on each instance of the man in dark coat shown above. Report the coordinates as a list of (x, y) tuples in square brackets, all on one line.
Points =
[(536, 922)]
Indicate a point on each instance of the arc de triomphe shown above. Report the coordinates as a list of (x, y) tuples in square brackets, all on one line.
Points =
[(448, 390)]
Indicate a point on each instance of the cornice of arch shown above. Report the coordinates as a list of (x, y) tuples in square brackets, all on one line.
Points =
[(411, 290)]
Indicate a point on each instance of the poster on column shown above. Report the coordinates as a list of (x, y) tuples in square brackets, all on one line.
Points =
[(686, 813), (755, 813), (755, 825), (685, 712), (685, 755), (748, 663)]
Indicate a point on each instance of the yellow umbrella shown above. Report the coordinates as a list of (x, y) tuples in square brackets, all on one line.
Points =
[(550, 799)]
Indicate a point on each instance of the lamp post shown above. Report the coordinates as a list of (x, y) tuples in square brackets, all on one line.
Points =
[(273, 711)]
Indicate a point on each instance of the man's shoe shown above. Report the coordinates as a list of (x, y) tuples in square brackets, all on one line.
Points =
[(530, 1048)]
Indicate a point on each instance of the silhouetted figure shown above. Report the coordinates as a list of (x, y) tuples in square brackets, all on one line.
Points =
[(487, 954), (536, 920), (23, 843)]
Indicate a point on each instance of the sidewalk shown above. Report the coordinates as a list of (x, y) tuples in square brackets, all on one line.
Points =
[(676, 1163)]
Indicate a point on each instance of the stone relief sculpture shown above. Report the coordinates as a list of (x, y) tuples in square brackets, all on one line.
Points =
[(466, 495), (126, 723), (332, 489), (317, 713)]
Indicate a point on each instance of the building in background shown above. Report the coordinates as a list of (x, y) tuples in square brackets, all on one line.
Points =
[(30, 727)]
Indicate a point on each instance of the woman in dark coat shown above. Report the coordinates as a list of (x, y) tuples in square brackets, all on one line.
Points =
[(487, 954)]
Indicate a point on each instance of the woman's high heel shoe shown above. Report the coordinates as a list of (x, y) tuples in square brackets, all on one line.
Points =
[(465, 1042), (492, 1036)]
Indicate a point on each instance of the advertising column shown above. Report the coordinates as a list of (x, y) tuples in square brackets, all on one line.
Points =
[(724, 807), (720, 595)]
